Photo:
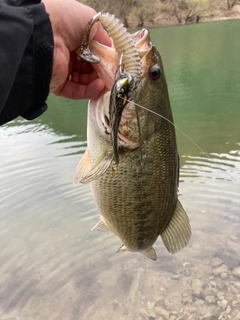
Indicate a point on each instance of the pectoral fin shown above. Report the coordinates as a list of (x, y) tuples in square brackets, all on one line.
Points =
[(178, 232), (83, 168), (122, 248), (101, 226), (86, 173)]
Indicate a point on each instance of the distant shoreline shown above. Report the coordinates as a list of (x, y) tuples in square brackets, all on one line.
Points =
[(163, 20), (187, 24)]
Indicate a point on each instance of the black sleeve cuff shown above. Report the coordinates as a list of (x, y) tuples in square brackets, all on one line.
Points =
[(42, 42), (28, 53)]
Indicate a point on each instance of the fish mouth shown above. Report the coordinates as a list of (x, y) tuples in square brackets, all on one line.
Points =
[(109, 69), (142, 40)]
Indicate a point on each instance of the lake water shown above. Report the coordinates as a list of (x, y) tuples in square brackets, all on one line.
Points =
[(53, 267)]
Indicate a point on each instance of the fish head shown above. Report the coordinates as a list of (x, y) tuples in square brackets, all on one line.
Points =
[(150, 92), (110, 61)]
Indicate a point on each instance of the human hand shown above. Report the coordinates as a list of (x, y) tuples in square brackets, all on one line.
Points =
[(72, 77)]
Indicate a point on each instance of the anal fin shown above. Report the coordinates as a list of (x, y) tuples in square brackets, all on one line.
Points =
[(178, 232), (150, 253)]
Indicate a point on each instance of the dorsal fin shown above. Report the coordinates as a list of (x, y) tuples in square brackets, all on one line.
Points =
[(178, 232)]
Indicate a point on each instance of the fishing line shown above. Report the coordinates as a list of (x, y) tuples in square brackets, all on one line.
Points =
[(186, 136)]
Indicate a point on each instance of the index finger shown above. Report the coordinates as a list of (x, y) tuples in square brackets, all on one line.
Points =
[(100, 35)]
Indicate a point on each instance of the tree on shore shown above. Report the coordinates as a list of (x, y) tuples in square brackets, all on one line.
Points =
[(232, 3), (120, 8), (140, 10), (145, 11), (141, 13), (187, 11)]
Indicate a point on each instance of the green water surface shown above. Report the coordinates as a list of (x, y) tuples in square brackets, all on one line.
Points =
[(53, 267)]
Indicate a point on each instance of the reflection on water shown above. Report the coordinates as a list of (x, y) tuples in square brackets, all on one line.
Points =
[(53, 267)]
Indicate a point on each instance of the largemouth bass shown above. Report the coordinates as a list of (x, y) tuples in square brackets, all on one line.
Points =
[(137, 193)]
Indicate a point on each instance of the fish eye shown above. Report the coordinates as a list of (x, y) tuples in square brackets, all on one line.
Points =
[(155, 73)]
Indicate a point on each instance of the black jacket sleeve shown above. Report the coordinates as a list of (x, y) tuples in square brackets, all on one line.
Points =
[(26, 59)]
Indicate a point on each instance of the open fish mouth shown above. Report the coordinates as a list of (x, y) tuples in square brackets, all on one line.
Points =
[(121, 67), (126, 52), (124, 92)]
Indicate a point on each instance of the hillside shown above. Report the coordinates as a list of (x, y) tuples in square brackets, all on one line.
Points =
[(155, 13)]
